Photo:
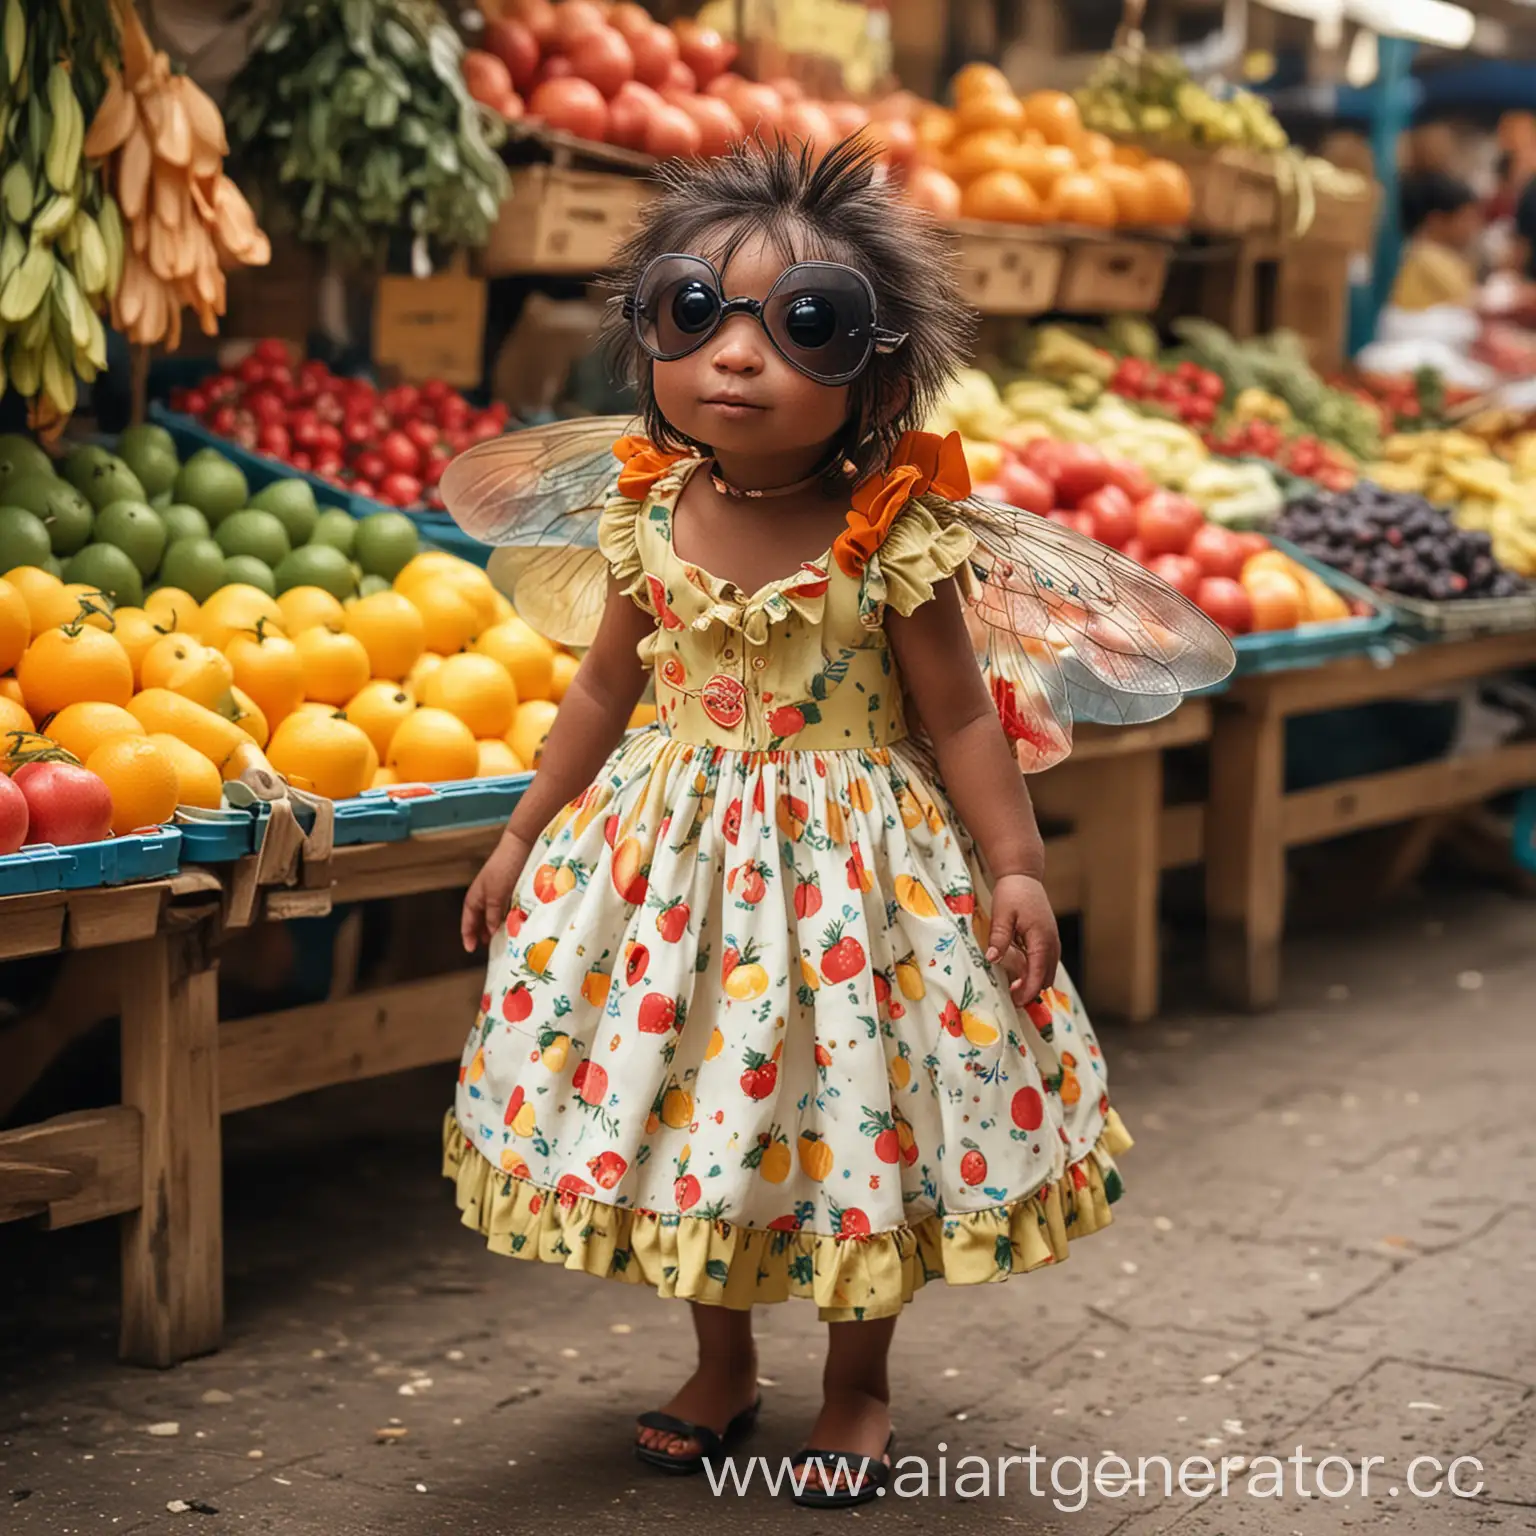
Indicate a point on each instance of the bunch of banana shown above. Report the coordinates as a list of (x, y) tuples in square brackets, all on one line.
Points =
[(163, 143), (61, 248)]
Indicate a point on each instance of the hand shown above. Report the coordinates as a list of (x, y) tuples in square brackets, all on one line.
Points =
[(1021, 914), (490, 897), (1015, 965)]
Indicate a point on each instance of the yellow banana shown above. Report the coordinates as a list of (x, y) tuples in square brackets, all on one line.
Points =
[(57, 214), (90, 254), (58, 381), (26, 370), (114, 120), (15, 39), (110, 223), (66, 133), (25, 287)]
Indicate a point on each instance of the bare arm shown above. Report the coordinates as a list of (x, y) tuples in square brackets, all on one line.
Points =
[(592, 717), (935, 656)]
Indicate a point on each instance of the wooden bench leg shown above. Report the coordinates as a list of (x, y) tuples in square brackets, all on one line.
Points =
[(1120, 816), (173, 1245), (1245, 857)]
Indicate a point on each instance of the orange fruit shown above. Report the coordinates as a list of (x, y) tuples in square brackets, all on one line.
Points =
[(234, 608), (526, 738), (377, 709), (562, 674), (1128, 187), (391, 629), (431, 746), (469, 581), (304, 607), (993, 149), (268, 667), (1080, 197), (383, 778), (476, 688), (1054, 115), (426, 664), (335, 665), (1000, 195), (141, 780), (11, 689), (136, 631), (980, 80), (65, 666), (48, 604), (171, 608), (504, 608), (81, 728), (1169, 194), (14, 717), (449, 620), (188, 667), (1043, 165), (525, 653), (90, 602), (197, 781), (998, 109), (15, 625), (321, 753), (497, 759), (1095, 149), (1278, 599)]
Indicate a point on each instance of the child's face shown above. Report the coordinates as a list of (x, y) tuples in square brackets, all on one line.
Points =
[(1457, 230), (736, 393)]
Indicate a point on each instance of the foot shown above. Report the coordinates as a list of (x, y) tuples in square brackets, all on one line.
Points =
[(712, 1396), (852, 1424)]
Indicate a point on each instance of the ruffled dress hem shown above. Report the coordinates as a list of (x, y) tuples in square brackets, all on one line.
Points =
[(851, 1278)]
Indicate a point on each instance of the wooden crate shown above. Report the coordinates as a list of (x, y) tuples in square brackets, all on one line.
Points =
[(1347, 223), (1006, 270), (1101, 277), (1312, 299), (557, 220)]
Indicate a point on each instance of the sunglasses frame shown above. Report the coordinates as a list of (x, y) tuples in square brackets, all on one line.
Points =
[(880, 341)]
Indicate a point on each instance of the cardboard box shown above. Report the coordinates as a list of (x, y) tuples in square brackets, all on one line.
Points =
[(1312, 299), (280, 299), (431, 327), (1104, 277), (537, 357), (561, 221), (1007, 270)]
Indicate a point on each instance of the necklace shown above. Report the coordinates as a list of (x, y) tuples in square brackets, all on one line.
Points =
[(725, 487)]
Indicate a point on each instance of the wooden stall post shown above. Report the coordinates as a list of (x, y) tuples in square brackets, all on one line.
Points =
[(173, 1245), (1245, 853)]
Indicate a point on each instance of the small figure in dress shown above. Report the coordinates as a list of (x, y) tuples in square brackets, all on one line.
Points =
[(773, 1006)]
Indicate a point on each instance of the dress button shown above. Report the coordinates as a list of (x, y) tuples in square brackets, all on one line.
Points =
[(730, 655), (759, 662)]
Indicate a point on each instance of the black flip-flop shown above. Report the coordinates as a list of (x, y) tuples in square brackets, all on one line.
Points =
[(872, 1477), (711, 1443)]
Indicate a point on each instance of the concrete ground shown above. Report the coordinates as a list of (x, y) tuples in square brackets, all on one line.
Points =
[(1328, 1242)]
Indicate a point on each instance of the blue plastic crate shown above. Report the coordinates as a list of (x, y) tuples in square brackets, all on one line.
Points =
[(374, 816), (221, 837), (115, 861), (466, 803)]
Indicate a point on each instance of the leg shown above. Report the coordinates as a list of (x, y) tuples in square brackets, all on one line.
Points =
[(173, 1246), (855, 1418), (1245, 855), (724, 1384)]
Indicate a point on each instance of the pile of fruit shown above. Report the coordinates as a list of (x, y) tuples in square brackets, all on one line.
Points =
[(390, 445), (1303, 455), (121, 524), (1493, 494), (1409, 402), (1191, 393), (1032, 161), (429, 678), (1235, 578), (1398, 542)]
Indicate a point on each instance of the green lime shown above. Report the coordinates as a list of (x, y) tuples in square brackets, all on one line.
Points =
[(65, 512), (250, 570), (336, 528), (194, 565), (184, 522), (23, 539), (317, 565), (106, 480), (54, 566), (135, 529), (110, 568), (259, 534), (79, 463), (150, 452), (209, 482), (160, 501), (371, 584), (292, 502), (21, 456), (386, 543)]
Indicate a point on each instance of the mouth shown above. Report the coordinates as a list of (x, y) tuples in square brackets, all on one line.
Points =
[(732, 405)]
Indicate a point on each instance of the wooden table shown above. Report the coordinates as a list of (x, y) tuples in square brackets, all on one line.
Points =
[(1250, 821)]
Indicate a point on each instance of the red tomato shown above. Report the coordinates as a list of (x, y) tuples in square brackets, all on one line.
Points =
[(222, 420), (672, 134), (14, 816), (422, 433), (458, 438), (719, 127), (400, 454), (516, 47), (364, 488), (1224, 601), (1179, 571), (655, 52), (436, 390), (194, 402), (1114, 518), (574, 106), (370, 465), (704, 51), (1134, 549), (66, 804), (629, 117), (1217, 551), (265, 407), (400, 490), (271, 350), (603, 57), (576, 20), (328, 439), (252, 370), (1022, 487), (357, 432), (484, 426), (1132, 479), (1166, 522), (437, 461), (301, 460), (455, 411), (537, 15), (680, 78), (273, 440), (1044, 456), (327, 464), (1252, 544), (1079, 522), (1083, 471)]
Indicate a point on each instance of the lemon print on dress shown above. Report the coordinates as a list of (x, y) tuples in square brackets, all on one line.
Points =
[(677, 1108), (776, 1162), (539, 955), (815, 1156), (595, 987), (910, 979), (912, 895), (555, 1048), (715, 1046)]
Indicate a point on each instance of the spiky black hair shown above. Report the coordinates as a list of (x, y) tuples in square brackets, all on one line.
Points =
[(834, 210)]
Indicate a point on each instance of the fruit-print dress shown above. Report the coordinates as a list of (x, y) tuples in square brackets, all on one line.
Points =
[(739, 1040)]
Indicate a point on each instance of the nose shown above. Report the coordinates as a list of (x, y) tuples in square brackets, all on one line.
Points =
[(738, 347)]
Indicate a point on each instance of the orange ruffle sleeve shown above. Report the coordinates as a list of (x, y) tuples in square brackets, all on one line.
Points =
[(922, 462), (644, 464)]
